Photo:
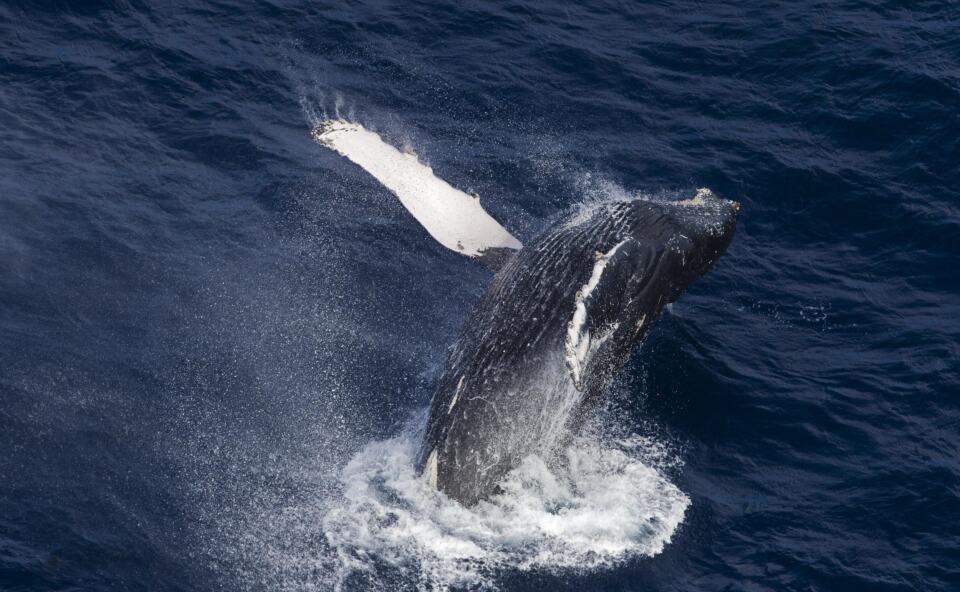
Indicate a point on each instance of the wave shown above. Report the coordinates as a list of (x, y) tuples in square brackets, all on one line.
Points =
[(592, 505)]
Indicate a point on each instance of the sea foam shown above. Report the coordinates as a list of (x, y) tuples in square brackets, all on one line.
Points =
[(593, 505)]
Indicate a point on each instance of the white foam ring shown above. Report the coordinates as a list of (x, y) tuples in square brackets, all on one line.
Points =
[(594, 506)]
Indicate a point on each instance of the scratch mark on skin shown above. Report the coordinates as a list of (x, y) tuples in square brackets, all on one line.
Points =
[(456, 394)]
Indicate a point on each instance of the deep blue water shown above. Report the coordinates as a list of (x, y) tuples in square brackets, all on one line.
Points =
[(204, 315)]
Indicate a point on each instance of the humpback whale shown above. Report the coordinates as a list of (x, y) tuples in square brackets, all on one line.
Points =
[(559, 318)]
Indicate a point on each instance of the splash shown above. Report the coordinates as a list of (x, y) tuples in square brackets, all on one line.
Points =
[(592, 506)]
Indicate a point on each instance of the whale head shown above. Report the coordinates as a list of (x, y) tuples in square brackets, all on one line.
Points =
[(703, 228), (634, 257)]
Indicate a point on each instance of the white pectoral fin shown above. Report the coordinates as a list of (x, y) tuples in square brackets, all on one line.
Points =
[(453, 217)]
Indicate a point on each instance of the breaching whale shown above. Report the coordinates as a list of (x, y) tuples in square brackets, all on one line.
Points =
[(561, 315)]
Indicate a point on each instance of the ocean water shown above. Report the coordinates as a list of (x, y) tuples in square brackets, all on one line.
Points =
[(218, 339)]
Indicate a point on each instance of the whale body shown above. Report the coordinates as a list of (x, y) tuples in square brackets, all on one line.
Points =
[(559, 318)]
